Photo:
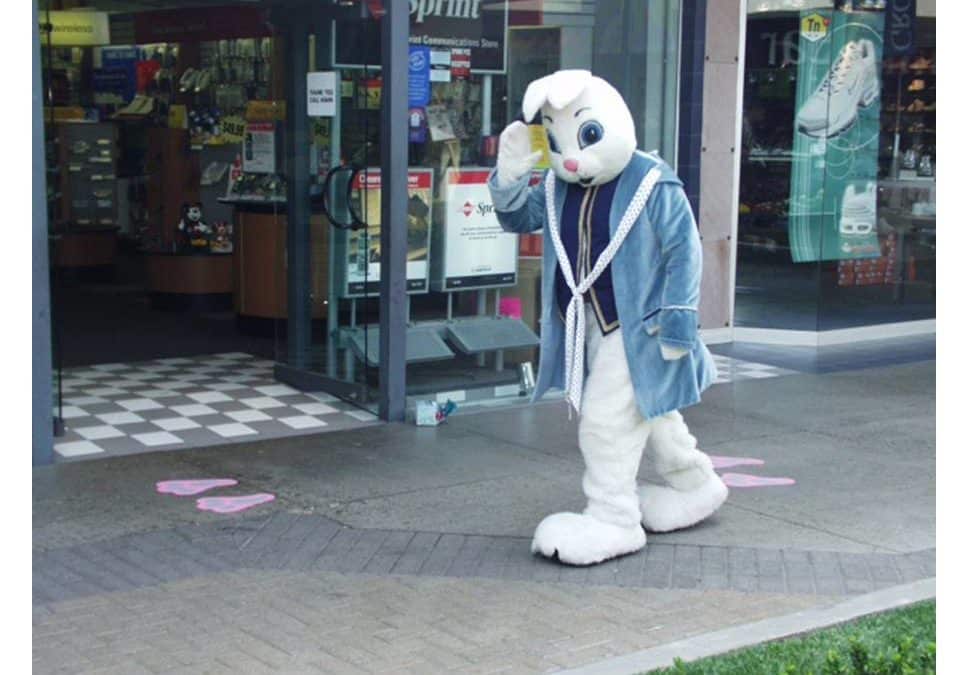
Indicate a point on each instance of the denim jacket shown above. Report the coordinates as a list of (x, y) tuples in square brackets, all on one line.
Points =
[(656, 284)]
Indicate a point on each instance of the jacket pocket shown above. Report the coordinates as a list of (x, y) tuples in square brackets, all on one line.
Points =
[(651, 321)]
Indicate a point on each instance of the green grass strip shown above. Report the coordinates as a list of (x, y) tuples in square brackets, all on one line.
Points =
[(900, 642)]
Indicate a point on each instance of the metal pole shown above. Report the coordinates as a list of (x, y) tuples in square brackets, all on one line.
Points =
[(498, 357), (297, 132), (395, 35), (42, 356), (482, 310), (487, 105)]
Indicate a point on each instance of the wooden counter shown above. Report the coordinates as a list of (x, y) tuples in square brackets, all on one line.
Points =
[(189, 274), (85, 249)]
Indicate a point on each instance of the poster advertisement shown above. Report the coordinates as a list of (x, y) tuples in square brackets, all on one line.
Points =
[(260, 148), (477, 253), (363, 246), (833, 180), (476, 25)]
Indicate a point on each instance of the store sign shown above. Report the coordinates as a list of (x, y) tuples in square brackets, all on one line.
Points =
[(265, 111), (900, 21), (74, 29), (321, 92), (364, 246), (260, 148), (477, 253), (834, 163), (418, 77), (200, 24), (477, 25)]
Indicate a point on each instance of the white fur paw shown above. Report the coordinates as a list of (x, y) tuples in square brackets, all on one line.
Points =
[(579, 539), (666, 509)]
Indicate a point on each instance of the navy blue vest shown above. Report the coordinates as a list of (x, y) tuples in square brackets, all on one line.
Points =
[(585, 232)]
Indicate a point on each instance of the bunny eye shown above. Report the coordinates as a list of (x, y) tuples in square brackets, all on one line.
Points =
[(553, 143), (590, 133)]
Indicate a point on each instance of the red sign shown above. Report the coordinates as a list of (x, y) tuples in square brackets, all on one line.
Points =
[(460, 64), (200, 25), (416, 180)]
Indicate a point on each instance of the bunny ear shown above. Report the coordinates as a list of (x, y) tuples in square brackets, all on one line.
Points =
[(558, 89), (534, 97)]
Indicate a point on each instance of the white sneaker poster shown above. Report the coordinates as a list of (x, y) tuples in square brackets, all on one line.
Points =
[(833, 193)]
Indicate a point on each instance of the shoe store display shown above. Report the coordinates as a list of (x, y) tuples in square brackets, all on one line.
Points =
[(202, 82), (925, 167), (188, 80), (916, 106), (851, 84), (858, 210), (909, 159)]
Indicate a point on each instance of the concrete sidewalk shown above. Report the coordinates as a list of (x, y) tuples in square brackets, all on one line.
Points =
[(396, 548)]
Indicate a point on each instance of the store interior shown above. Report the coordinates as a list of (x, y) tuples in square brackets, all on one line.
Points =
[(167, 193)]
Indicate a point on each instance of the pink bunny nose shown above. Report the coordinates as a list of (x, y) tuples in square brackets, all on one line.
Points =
[(570, 164)]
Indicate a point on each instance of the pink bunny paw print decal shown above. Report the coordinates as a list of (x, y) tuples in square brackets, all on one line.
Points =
[(183, 488), (227, 504), (233, 504), (746, 480)]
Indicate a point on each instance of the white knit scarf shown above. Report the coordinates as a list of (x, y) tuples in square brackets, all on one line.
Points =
[(576, 311)]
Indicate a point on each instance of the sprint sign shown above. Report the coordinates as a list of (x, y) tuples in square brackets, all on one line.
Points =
[(477, 253)]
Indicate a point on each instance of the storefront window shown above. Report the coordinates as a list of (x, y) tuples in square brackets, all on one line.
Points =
[(837, 223), (176, 136), (474, 323)]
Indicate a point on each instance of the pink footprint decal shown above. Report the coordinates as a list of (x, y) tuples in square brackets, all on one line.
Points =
[(745, 480), (722, 462), (182, 488), (233, 504)]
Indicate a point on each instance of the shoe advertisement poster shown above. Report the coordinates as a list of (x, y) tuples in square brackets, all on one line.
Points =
[(833, 182)]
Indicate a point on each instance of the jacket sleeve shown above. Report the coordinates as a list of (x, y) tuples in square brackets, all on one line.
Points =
[(519, 207), (682, 255)]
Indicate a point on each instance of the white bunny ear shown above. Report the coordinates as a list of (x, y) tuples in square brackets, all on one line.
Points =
[(558, 89)]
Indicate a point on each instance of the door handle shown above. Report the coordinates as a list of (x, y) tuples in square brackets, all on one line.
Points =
[(356, 221)]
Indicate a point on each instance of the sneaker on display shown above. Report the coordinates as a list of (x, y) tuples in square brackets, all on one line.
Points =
[(909, 159), (858, 211), (850, 84), (202, 81), (925, 168), (187, 80)]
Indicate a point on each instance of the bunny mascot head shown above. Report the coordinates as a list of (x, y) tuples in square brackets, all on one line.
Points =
[(620, 283), (588, 124)]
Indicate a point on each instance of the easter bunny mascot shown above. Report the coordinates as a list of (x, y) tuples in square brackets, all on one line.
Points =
[(620, 287)]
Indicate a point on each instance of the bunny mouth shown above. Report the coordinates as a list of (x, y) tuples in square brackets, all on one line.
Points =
[(585, 182)]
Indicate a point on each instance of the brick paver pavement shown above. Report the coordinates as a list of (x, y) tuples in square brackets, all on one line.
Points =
[(256, 621), (301, 593)]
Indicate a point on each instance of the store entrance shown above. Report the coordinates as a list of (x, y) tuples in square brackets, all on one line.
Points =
[(184, 180)]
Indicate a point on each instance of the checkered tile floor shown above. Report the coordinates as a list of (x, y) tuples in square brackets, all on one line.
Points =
[(178, 403), (730, 370)]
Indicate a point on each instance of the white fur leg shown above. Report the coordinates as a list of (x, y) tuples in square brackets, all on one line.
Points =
[(581, 539), (666, 509)]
